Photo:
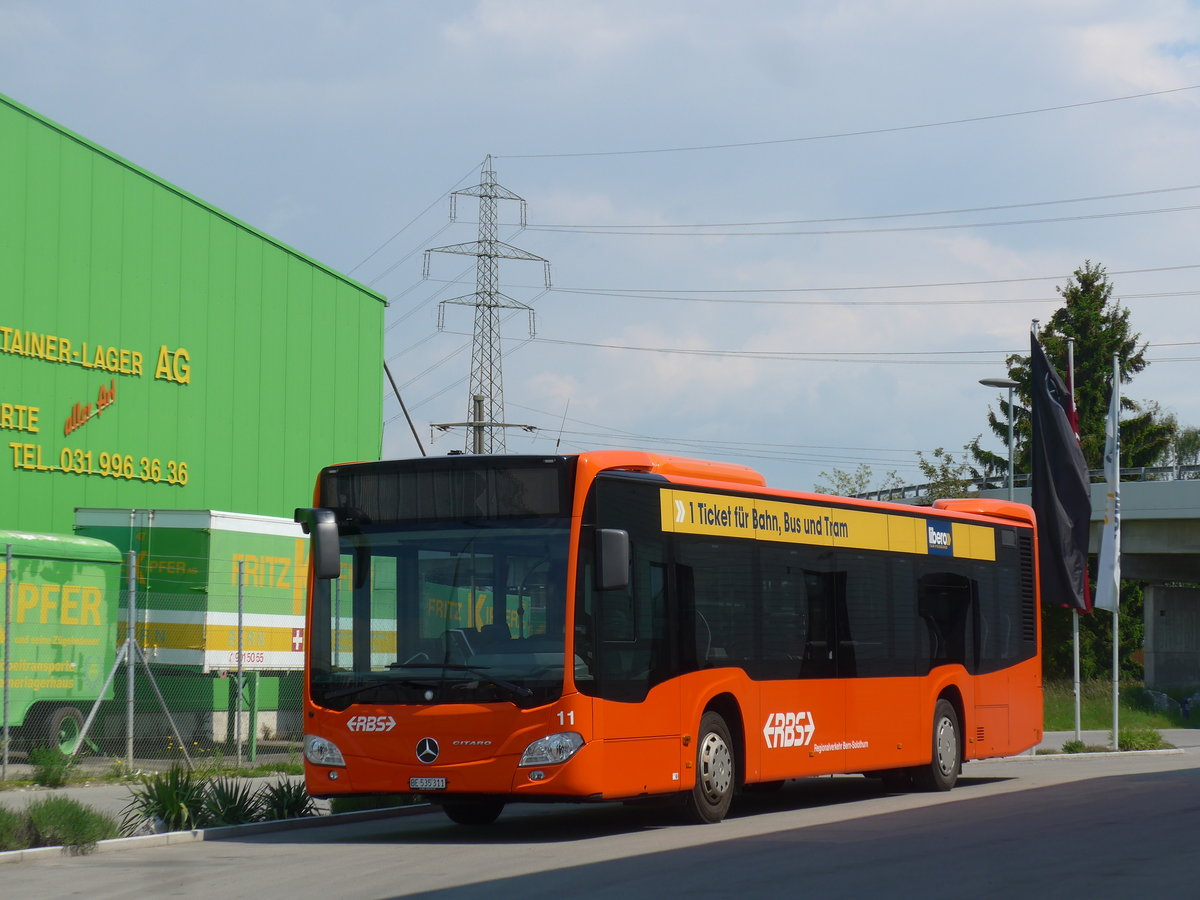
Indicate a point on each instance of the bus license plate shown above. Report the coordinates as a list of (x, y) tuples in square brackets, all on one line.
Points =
[(427, 784)]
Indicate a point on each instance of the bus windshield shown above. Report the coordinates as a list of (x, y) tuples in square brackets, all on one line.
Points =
[(462, 611)]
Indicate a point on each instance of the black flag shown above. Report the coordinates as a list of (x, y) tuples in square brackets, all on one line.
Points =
[(1062, 500)]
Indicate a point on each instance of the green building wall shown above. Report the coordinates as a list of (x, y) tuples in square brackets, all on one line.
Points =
[(156, 353)]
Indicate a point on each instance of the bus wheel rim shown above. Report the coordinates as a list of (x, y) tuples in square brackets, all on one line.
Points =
[(716, 767), (947, 747)]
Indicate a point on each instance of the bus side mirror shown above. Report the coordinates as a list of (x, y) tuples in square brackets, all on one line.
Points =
[(612, 559), (321, 525)]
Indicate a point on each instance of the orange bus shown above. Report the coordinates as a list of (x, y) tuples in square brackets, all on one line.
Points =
[(619, 624)]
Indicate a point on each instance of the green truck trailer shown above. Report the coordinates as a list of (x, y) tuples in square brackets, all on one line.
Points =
[(195, 568), (60, 595)]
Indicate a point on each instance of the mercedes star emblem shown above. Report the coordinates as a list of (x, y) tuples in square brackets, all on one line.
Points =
[(427, 750)]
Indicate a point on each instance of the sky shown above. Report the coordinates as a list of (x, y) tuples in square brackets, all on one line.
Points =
[(791, 235)]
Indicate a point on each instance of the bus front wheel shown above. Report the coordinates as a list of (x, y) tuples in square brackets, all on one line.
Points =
[(709, 800), (942, 771), (473, 812)]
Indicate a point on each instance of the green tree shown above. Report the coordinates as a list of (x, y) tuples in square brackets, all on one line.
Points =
[(1095, 640), (1100, 327), (850, 484), (944, 475), (1184, 449)]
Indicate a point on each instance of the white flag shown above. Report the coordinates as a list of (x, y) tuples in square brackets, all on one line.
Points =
[(1108, 569)]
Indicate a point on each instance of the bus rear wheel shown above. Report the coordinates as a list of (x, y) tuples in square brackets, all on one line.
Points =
[(709, 800), (473, 812), (942, 771)]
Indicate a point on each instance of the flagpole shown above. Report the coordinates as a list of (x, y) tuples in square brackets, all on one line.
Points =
[(1060, 491), (1108, 566), (1074, 613), (1115, 425)]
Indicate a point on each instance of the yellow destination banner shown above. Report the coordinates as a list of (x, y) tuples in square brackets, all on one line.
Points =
[(692, 512)]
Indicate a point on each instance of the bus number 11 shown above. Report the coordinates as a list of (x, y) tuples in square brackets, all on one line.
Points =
[(566, 718)]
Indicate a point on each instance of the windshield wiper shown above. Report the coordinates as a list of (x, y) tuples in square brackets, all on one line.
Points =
[(519, 690), (361, 688)]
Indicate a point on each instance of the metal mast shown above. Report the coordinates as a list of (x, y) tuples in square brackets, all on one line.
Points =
[(485, 410)]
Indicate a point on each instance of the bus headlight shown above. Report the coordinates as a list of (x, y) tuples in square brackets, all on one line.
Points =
[(552, 749), (322, 752)]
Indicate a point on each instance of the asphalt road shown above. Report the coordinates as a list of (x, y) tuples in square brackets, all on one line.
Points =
[(1095, 826)]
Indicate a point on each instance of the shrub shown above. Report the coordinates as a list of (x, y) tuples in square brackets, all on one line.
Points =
[(14, 830), (228, 801), (51, 767), (1140, 738), (61, 821), (1074, 747), (175, 799), (285, 799)]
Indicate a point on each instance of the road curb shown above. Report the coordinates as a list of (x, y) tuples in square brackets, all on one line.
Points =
[(1097, 754), (224, 832)]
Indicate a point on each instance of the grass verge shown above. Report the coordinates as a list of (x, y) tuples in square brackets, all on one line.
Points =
[(1138, 708)]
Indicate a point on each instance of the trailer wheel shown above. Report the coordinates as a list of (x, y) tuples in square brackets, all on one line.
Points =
[(709, 800), (942, 771), (63, 728)]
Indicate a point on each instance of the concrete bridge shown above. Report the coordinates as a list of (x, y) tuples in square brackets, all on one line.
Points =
[(1160, 545)]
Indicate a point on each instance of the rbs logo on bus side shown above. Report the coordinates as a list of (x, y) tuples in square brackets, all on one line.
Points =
[(793, 729), (940, 541)]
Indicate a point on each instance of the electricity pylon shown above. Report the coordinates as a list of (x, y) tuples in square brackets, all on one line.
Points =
[(485, 410)]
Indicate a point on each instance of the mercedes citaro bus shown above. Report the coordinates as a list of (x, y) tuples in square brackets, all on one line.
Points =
[(619, 624)]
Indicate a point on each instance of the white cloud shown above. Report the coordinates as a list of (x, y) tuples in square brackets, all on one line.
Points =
[(1134, 53)]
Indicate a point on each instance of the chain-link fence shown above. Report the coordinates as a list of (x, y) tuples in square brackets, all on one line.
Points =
[(209, 675)]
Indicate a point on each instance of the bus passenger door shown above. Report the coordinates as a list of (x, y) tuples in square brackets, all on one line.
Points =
[(801, 718), (880, 660)]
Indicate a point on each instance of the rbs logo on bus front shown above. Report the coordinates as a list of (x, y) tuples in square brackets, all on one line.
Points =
[(370, 723), (940, 541)]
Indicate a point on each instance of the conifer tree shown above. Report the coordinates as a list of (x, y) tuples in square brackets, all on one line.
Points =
[(1100, 327)]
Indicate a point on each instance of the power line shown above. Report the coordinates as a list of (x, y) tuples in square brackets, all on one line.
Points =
[(442, 196), (846, 134), (861, 302), (798, 453), (727, 444), (446, 283), (906, 357), (713, 451), (417, 307), (794, 356), (867, 287), (454, 383), (905, 215), (409, 255), (636, 292), (898, 229)]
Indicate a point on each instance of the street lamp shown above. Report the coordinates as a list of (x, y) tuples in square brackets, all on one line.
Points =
[(1010, 384)]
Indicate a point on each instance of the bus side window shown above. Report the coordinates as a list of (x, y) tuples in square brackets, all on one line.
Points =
[(719, 600), (819, 659), (944, 603), (618, 617)]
